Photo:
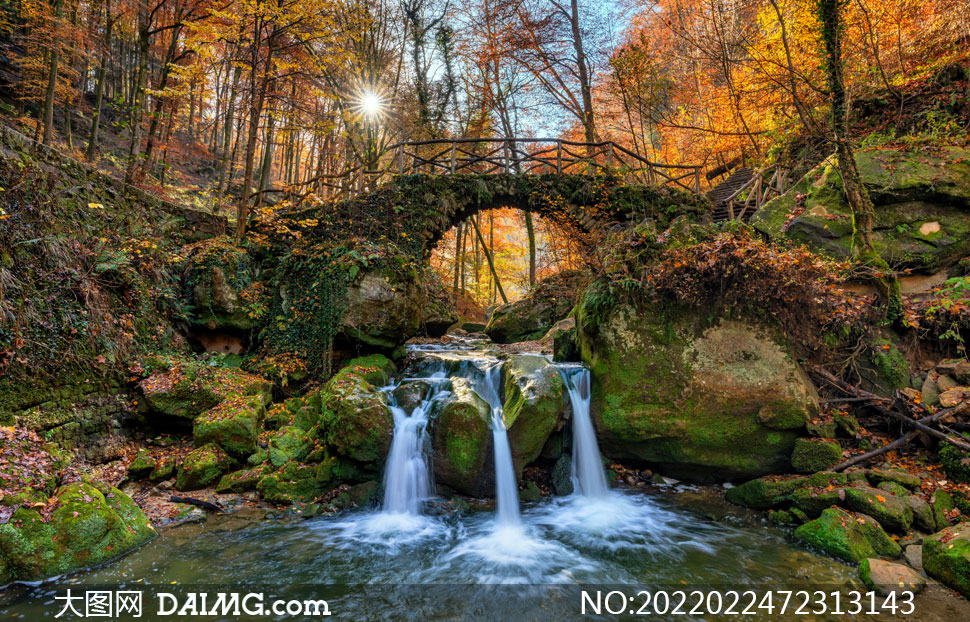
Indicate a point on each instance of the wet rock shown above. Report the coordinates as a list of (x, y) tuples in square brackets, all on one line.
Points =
[(886, 577), (91, 523), (704, 402), (233, 425), (356, 422), (202, 468), (781, 517), (534, 315), (811, 455), (409, 394), (365, 494), (142, 466), (892, 512), (382, 310), (530, 492), (765, 492), (534, 403), (946, 557), (848, 536), (562, 476), (462, 441)]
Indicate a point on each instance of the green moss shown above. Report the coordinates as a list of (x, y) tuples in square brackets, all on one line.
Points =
[(202, 468), (356, 422), (765, 492), (461, 440), (946, 557), (294, 483), (534, 403), (142, 466), (811, 455), (241, 481), (233, 425), (955, 462), (851, 537), (891, 511), (289, 444)]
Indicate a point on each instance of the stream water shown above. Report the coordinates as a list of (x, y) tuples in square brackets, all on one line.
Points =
[(413, 559)]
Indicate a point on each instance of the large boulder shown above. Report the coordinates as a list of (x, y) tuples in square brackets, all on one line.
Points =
[(356, 421), (704, 400), (532, 316), (462, 441), (534, 403), (382, 310), (848, 536), (233, 425), (921, 196), (181, 389), (202, 468), (946, 557), (92, 522)]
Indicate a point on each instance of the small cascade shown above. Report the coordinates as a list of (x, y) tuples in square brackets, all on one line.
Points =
[(506, 490), (588, 476), (407, 475)]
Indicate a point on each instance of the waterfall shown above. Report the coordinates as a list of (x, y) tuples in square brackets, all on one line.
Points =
[(587, 474), (506, 490), (407, 475)]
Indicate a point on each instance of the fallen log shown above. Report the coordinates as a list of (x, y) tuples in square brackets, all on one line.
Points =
[(202, 503), (899, 442)]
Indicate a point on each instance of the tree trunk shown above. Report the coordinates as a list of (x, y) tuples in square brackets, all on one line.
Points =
[(89, 153), (491, 264), (531, 233), (51, 92), (458, 238), (589, 122), (863, 212), (255, 112), (227, 157), (140, 93)]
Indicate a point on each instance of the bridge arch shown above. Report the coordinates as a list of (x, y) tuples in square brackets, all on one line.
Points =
[(416, 211)]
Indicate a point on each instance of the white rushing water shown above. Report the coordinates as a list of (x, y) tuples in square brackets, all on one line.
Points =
[(589, 478), (506, 490), (407, 475)]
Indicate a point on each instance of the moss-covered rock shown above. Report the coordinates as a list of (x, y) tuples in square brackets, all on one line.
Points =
[(241, 481), (942, 504), (704, 400), (462, 441), (184, 388), (289, 444), (765, 492), (165, 468), (219, 282), (534, 403), (891, 511), (813, 501), (92, 523), (956, 463), (921, 196), (529, 318), (923, 518), (356, 421), (233, 425), (294, 483), (848, 536), (382, 310), (946, 557), (811, 455), (142, 465), (202, 468), (903, 478)]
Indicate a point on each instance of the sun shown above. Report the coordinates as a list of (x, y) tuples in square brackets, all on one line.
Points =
[(371, 104)]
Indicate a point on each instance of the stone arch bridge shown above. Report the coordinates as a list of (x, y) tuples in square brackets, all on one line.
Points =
[(420, 190)]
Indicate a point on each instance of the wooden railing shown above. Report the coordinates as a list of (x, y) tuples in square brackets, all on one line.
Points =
[(508, 156), (747, 199)]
